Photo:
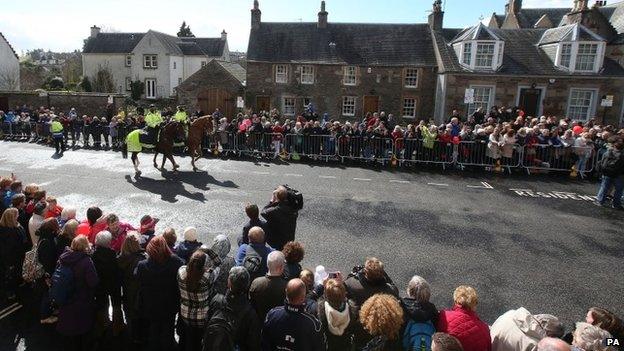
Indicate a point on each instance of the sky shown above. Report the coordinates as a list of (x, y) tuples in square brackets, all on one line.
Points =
[(63, 25)]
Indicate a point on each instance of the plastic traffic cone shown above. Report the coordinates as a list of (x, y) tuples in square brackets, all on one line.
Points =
[(573, 172), (498, 167)]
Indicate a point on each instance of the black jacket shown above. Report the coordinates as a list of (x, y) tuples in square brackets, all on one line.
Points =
[(281, 223), (105, 261), (244, 239), (267, 292), (129, 282), (47, 252), (13, 246), (291, 328), (344, 341), (419, 312), (159, 296), (359, 289), (247, 336)]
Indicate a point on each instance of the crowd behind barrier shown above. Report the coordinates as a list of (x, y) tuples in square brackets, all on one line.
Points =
[(77, 270), (502, 140)]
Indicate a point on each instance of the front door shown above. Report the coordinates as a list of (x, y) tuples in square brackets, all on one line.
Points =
[(214, 98), (263, 103), (371, 104), (530, 101)]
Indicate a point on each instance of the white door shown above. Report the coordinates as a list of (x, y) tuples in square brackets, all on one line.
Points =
[(150, 88)]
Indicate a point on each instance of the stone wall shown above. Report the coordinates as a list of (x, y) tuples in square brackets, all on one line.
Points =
[(327, 91), (85, 103), (556, 94)]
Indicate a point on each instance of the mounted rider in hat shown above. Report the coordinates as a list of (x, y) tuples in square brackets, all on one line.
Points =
[(182, 117), (153, 120)]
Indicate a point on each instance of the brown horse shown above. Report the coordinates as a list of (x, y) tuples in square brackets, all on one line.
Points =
[(198, 129), (169, 133)]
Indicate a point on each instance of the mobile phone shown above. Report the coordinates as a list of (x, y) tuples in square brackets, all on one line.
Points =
[(333, 275)]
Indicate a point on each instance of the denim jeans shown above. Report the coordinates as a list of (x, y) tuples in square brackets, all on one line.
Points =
[(605, 188)]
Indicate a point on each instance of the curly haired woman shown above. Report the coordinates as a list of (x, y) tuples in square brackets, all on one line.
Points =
[(382, 318)]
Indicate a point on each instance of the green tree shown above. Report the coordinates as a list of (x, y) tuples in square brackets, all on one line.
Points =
[(103, 81), (55, 83), (137, 88), (185, 31), (86, 84)]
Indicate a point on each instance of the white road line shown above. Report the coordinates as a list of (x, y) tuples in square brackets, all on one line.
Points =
[(293, 175), (399, 181), (437, 184), (363, 179), (517, 189), (327, 177), (483, 185), (263, 173), (8, 312)]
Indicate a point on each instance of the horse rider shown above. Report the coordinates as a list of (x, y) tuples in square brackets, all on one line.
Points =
[(153, 120)]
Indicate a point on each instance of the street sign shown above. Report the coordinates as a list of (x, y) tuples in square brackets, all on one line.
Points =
[(240, 103), (607, 101), (110, 100), (469, 96)]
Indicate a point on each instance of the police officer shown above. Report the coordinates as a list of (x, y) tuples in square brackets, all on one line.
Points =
[(56, 128), (182, 117), (153, 120)]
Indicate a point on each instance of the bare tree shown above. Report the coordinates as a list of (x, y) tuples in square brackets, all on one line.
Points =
[(103, 82), (9, 80)]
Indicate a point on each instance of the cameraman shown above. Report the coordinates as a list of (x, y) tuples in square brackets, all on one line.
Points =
[(369, 280), (281, 216)]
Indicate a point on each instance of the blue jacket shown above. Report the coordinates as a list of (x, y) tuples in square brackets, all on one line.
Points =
[(262, 250), (185, 249), (289, 327)]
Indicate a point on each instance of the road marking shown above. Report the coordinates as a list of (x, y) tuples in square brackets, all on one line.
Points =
[(262, 173), (562, 195), (293, 175), (483, 185), (363, 179), (437, 184), (399, 181), (327, 177)]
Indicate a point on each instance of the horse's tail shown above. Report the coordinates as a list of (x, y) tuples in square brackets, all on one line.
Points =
[(124, 150)]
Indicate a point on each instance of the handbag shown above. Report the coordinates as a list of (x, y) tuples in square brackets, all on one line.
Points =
[(32, 269)]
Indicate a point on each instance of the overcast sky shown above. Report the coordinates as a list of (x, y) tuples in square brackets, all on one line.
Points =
[(63, 25)]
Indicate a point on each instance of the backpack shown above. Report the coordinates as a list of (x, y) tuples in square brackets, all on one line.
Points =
[(417, 336), (221, 329), (32, 269), (253, 263), (63, 285), (611, 164), (295, 198)]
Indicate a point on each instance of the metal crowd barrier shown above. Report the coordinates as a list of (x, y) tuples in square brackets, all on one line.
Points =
[(482, 154), (411, 151), (558, 158)]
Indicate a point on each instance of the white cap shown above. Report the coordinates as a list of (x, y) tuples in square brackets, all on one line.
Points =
[(190, 234)]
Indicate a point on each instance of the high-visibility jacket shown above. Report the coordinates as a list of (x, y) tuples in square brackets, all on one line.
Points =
[(153, 119), (56, 127), (181, 117)]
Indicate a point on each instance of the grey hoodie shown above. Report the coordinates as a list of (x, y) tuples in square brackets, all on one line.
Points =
[(221, 246)]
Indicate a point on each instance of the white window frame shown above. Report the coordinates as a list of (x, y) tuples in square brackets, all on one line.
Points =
[(150, 61), (291, 110), (150, 92), (307, 74), (349, 102), (591, 109), (485, 56), (281, 74), (578, 56), (473, 107), (349, 76), (568, 55), (410, 79), (598, 60), (404, 108), (128, 84), (128, 61), (466, 53)]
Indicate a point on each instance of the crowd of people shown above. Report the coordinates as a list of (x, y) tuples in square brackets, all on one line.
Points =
[(95, 276), (492, 138)]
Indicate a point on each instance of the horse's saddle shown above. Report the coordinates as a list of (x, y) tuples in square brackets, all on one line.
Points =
[(147, 139)]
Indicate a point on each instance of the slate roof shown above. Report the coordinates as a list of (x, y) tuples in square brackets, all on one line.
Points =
[(615, 14), (528, 17), (573, 32), (355, 43), (237, 71), (112, 43), (478, 32), (9, 44), (522, 55), (123, 43)]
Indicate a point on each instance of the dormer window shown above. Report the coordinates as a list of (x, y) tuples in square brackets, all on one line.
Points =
[(574, 48), (586, 57), (565, 57), (479, 48)]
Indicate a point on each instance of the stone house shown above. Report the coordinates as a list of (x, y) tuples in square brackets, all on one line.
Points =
[(563, 62), (343, 69), (159, 60), (218, 84), (9, 66)]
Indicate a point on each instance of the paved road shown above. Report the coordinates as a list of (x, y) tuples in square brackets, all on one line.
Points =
[(543, 245)]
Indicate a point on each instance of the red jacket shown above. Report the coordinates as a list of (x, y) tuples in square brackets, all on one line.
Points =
[(466, 326)]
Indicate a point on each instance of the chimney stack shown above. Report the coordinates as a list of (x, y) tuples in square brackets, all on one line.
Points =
[(322, 16), (256, 15), (224, 35), (436, 17), (95, 30)]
